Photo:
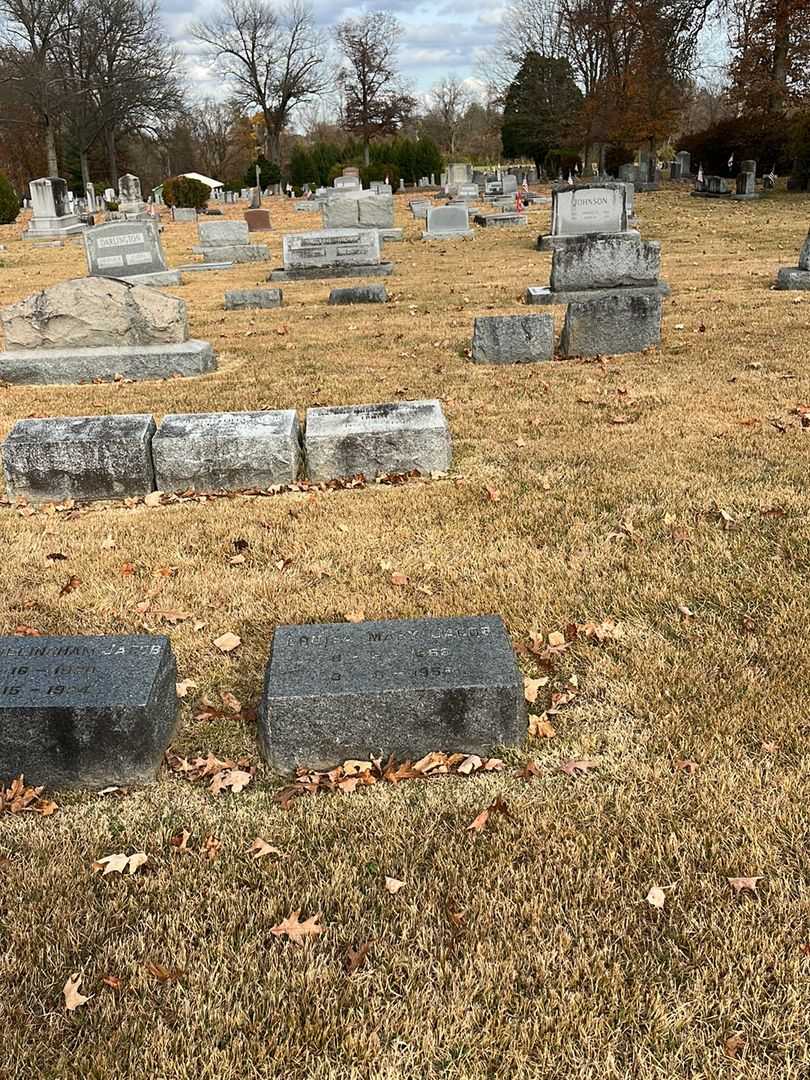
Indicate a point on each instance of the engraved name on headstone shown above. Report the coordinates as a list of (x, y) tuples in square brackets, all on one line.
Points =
[(404, 687), (86, 711), (335, 247), (588, 210), (123, 249)]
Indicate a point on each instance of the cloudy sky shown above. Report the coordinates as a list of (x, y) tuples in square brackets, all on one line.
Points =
[(440, 38)]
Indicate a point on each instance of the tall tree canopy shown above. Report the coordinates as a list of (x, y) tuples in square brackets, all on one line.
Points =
[(542, 108)]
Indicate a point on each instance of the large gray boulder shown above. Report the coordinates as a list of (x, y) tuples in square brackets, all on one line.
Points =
[(93, 311)]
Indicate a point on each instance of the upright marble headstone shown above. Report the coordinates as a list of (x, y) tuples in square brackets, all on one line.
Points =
[(599, 209), (130, 201), (341, 691), (88, 711), (51, 216), (332, 253), (684, 159), (447, 222)]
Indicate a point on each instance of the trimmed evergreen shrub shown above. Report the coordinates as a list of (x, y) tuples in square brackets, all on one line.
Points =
[(9, 203), (186, 192)]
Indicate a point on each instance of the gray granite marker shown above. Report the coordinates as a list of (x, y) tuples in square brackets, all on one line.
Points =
[(605, 263), (404, 687), (512, 339), (80, 457), (85, 711), (237, 299), (107, 363), (610, 325), (375, 440), (231, 451), (359, 294)]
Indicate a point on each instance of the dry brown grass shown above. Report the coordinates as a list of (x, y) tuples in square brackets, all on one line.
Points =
[(558, 967)]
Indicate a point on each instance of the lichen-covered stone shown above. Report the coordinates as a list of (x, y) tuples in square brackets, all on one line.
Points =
[(608, 262), (610, 325), (91, 311), (512, 339)]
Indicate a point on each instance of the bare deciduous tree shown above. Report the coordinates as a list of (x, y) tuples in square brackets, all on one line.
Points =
[(450, 100), (273, 60)]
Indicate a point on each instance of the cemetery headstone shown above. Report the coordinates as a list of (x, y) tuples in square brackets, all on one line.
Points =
[(359, 294), (232, 451), (228, 241), (86, 712), (714, 187), (90, 194), (98, 329), (184, 214), (51, 217), (342, 691), (365, 211), (597, 209), (684, 159), (447, 222), (130, 251), (130, 201), (512, 339), (505, 220), (237, 299), (623, 322), (80, 457), (796, 277), (331, 253), (396, 437), (258, 220)]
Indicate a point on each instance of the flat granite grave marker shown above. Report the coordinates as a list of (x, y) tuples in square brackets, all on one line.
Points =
[(80, 457), (332, 253), (129, 251), (87, 711), (396, 437), (512, 339), (228, 241), (447, 222), (359, 294), (227, 451), (236, 299), (340, 691)]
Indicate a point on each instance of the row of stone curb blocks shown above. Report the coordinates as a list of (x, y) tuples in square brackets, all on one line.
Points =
[(115, 457), (331, 692), (262, 299)]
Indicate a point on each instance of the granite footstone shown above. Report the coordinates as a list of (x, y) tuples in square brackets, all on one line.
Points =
[(232, 451), (359, 294), (609, 262), (405, 687), (86, 712), (624, 322), (395, 437), (80, 457), (513, 339), (107, 363), (237, 299)]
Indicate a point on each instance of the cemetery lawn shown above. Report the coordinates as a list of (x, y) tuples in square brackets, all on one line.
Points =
[(666, 492)]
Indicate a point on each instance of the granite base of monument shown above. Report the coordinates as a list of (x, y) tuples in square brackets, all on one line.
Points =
[(624, 322), (159, 279), (318, 273), (80, 457), (543, 294), (107, 363), (556, 243), (512, 339), (86, 712), (252, 299), (376, 440), (503, 221), (404, 687), (793, 277)]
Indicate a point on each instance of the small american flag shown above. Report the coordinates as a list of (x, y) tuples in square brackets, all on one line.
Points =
[(772, 175), (570, 178), (518, 202), (700, 174), (731, 160), (525, 185)]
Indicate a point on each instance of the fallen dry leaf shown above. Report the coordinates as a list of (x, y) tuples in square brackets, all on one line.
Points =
[(577, 766), (73, 999), (295, 930), (393, 885), (184, 687), (118, 863), (734, 1044), (497, 807), (226, 643), (355, 616), (531, 688), (540, 728), (260, 848), (356, 958), (743, 884), (656, 897), (399, 579)]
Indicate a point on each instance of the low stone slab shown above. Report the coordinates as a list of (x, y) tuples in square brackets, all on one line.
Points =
[(512, 339), (196, 268), (158, 279), (231, 451), (236, 299), (185, 213), (107, 363), (555, 243), (542, 294), (341, 691), (506, 220), (80, 457), (607, 262), (319, 273), (86, 711), (376, 440), (222, 233), (359, 294), (791, 277), (257, 220), (621, 323), (447, 223), (329, 248), (237, 254)]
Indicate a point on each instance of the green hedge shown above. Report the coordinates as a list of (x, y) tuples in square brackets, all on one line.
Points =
[(9, 203), (186, 192)]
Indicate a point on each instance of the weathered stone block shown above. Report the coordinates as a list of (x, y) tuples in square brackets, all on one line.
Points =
[(359, 294), (86, 711), (234, 451), (222, 233), (611, 325), (376, 212), (404, 687), (804, 254), (253, 298), (447, 222), (791, 277), (185, 213), (375, 440), (93, 311), (237, 254), (513, 339), (605, 263), (340, 213), (257, 220), (107, 363), (505, 220), (80, 457)]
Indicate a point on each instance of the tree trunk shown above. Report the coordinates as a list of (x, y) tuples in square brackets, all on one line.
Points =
[(781, 33), (50, 148), (112, 159), (85, 166), (366, 153)]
